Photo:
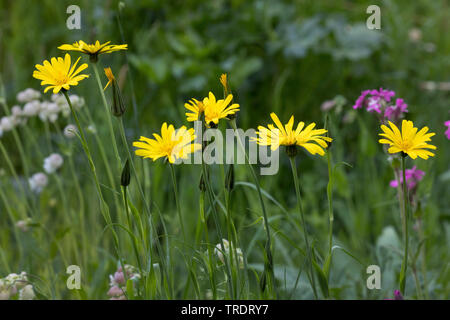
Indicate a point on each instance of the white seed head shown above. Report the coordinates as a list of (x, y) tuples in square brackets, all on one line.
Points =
[(53, 162), (38, 182), (70, 131), (31, 108), (28, 95), (27, 293)]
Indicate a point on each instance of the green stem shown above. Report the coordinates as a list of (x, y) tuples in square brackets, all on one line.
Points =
[(405, 210), (208, 245), (177, 200), (103, 205), (19, 144), (216, 220), (302, 217), (270, 273), (107, 114)]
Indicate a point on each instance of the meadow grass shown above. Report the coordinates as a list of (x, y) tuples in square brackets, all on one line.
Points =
[(302, 236)]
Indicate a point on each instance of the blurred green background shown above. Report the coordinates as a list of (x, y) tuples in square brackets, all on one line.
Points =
[(287, 57)]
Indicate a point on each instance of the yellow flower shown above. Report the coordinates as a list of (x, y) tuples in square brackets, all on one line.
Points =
[(110, 76), (223, 80), (309, 138), (172, 144), (59, 74), (196, 107), (93, 50), (213, 109), (408, 141)]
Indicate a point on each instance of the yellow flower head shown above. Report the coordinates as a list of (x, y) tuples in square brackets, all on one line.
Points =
[(110, 76), (93, 50), (59, 73), (196, 107), (408, 141), (309, 138), (172, 144), (223, 80), (213, 109)]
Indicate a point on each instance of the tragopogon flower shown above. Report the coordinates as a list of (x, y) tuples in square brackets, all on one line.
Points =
[(93, 50), (60, 73), (408, 141), (172, 144), (309, 138), (196, 107), (213, 109)]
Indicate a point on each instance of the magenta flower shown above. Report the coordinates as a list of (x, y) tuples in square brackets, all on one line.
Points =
[(379, 101), (447, 132), (413, 176), (398, 295), (395, 111)]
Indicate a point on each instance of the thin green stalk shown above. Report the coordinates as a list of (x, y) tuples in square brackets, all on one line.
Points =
[(130, 226), (14, 174), (177, 200), (268, 247), (330, 205), (208, 245), (19, 144), (107, 114), (405, 210), (216, 220), (302, 217), (103, 205)]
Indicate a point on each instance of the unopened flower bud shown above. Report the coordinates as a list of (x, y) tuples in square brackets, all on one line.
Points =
[(118, 106), (125, 177), (229, 179)]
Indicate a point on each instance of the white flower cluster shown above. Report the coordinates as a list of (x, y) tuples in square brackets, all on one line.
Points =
[(33, 106), (226, 250), (16, 286), (53, 162), (39, 181), (117, 282)]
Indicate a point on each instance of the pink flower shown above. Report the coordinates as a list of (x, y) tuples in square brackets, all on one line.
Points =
[(119, 277), (398, 295), (115, 291), (394, 112), (379, 101), (413, 176), (447, 133), (359, 102)]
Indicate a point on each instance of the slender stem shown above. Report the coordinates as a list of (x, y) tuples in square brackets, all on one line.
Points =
[(19, 144), (216, 220), (405, 210), (302, 217), (400, 198), (208, 245), (330, 205), (261, 201), (107, 114), (103, 205), (130, 226), (177, 200)]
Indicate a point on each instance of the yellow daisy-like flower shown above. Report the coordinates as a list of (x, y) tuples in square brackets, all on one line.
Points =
[(196, 107), (309, 138), (172, 144), (93, 50), (213, 109), (59, 73), (408, 141)]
